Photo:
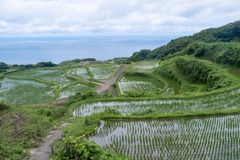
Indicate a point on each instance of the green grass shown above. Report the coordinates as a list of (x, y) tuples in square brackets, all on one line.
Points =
[(172, 87), (68, 64), (234, 71), (21, 128), (79, 127), (1, 75)]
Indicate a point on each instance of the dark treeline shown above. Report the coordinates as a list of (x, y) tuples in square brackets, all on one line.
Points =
[(40, 64), (85, 59), (4, 67)]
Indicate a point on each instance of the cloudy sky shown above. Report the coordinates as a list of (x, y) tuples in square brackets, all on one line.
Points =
[(117, 17)]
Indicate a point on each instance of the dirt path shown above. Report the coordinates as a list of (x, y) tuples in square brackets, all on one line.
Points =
[(44, 151), (103, 88)]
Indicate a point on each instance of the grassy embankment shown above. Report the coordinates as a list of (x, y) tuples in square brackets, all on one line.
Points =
[(21, 128)]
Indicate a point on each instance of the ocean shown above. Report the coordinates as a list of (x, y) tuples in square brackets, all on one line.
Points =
[(31, 50)]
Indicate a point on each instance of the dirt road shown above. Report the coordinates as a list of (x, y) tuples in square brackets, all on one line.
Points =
[(44, 151), (103, 88)]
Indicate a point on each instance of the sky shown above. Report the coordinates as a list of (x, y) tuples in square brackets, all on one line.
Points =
[(114, 17)]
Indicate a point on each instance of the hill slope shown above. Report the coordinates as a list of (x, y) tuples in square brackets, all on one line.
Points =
[(220, 45)]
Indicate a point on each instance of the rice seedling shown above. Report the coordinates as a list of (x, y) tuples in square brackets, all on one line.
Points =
[(72, 90), (144, 66), (128, 86), (25, 91), (200, 138), (57, 76), (221, 101), (80, 72), (103, 72)]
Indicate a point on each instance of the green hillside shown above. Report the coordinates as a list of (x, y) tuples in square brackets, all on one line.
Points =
[(201, 63), (220, 45)]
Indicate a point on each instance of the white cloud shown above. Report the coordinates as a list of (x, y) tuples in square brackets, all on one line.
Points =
[(103, 16)]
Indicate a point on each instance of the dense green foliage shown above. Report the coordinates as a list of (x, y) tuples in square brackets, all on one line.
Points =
[(40, 64), (77, 148), (86, 95), (224, 53), (226, 33), (141, 55), (167, 73), (120, 60), (201, 44), (231, 56), (202, 72), (45, 64), (3, 67), (74, 146), (4, 106)]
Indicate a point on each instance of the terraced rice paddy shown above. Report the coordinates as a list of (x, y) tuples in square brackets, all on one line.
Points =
[(222, 101), (72, 90), (103, 72), (33, 73), (38, 85), (194, 139), (80, 72), (145, 66), (54, 76), (129, 86), (24, 91)]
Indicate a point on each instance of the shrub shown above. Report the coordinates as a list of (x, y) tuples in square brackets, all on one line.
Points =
[(4, 106), (167, 73), (202, 72), (91, 121), (109, 111), (81, 96), (76, 148)]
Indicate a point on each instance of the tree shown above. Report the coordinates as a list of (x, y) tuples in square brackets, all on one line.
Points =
[(3, 65), (141, 55), (46, 64)]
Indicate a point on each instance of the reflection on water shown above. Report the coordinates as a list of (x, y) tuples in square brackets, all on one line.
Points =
[(200, 138)]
